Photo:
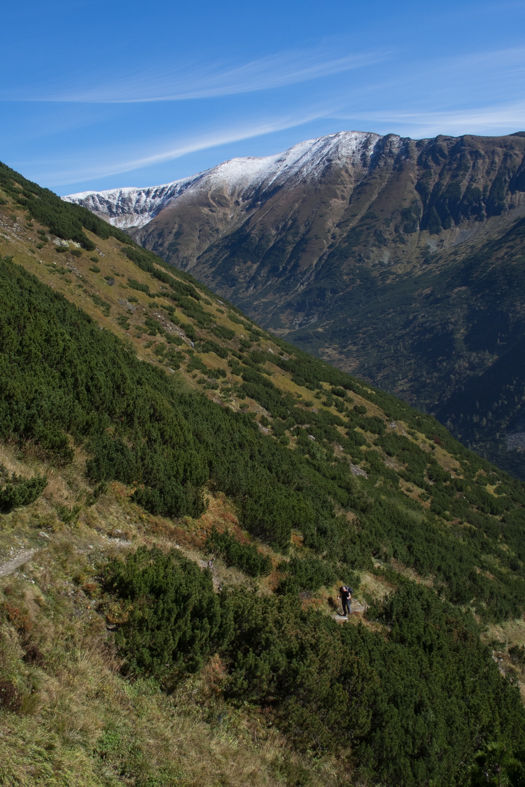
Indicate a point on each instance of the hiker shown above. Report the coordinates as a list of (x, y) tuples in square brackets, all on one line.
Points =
[(346, 600), (210, 563)]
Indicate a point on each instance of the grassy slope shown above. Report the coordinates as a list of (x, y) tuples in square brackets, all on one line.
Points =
[(80, 721)]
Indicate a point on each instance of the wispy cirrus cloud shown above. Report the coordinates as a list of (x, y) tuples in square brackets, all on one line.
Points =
[(471, 93), (64, 173), (212, 80), (481, 120), (492, 58)]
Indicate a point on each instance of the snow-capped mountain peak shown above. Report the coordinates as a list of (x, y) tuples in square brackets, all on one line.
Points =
[(136, 207)]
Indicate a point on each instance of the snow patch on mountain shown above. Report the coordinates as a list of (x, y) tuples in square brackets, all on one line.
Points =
[(131, 207), (136, 207)]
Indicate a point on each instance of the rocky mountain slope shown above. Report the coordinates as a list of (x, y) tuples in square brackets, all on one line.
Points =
[(379, 254), (244, 182), (146, 426)]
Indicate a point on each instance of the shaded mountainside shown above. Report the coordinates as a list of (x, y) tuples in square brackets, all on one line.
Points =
[(449, 341), (395, 259), (146, 425)]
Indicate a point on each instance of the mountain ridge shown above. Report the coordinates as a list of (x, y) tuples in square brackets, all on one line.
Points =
[(325, 261), (360, 150), (117, 205)]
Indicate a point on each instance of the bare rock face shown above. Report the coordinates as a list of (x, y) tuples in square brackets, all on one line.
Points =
[(392, 258)]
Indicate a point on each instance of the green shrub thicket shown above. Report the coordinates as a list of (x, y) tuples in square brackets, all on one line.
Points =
[(411, 704), (310, 573), (174, 619), (61, 375), (306, 370), (16, 491), (246, 557)]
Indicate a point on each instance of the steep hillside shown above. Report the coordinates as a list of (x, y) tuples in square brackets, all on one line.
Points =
[(397, 260), (130, 455)]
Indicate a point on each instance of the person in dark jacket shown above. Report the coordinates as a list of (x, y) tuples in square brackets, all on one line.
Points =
[(346, 600)]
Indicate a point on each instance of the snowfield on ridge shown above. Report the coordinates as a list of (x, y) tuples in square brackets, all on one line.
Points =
[(136, 207)]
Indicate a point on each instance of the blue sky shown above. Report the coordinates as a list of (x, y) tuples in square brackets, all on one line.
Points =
[(97, 94)]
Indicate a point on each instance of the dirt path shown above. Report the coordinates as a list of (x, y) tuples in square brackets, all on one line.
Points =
[(16, 562), (356, 607)]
